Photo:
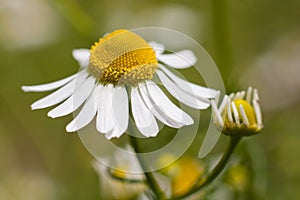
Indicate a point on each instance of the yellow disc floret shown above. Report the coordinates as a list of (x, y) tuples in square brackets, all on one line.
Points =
[(122, 58)]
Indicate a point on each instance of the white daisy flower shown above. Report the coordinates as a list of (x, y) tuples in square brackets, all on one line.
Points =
[(126, 180), (118, 183), (119, 66), (239, 113)]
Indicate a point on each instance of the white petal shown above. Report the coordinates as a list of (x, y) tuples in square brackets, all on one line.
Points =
[(239, 95), (248, 95), (115, 133), (235, 113), (244, 116), (116, 112), (190, 88), (255, 94), (105, 118), (76, 100), (158, 47), (48, 86), (154, 109), (82, 56), (242, 94), (183, 97), (223, 104), (229, 112), (258, 114), (60, 94), (217, 97), (168, 109), (179, 60), (257, 109), (120, 109), (236, 96), (143, 118), (217, 113), (87, 112)]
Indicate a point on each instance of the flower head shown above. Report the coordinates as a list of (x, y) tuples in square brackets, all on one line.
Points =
[(119, 183), (238, 114), (126, 180), (122, 57), (183, 173), (123, 64)]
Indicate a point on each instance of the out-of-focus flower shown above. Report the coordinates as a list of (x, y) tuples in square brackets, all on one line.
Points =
[(183, 173), (121, 63), (27, 185), (276, 71), (239, 114), (126, 180), (112, 185), (166, 15), (16, 31), (238, 177)]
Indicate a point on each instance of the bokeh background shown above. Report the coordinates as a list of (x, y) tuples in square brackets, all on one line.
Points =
[(253, 43)]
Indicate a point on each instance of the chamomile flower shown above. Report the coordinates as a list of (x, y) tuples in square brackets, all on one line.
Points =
[(126, 180), (121, 66), (118, 183), (239, 114)]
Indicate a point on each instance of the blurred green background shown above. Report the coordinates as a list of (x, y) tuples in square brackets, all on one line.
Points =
[(253, 43)]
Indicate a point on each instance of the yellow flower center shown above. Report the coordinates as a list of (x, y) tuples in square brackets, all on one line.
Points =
[(242, 129), (123, 58), (248, 110), (118, 173)]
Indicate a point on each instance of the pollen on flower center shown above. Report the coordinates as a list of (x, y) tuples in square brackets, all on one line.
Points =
[(122, 57)]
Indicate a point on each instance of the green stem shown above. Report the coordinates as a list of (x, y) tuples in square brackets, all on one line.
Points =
[(77, 17), (222, 40), (211, 176), (149, 175)]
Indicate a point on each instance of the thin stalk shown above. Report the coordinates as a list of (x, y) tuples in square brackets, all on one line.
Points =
[(211, 176), (222, 39), (149, 175)]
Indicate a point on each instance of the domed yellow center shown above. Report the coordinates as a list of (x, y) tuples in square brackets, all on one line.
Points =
[(248, 110), (122, 58), (241, 128)]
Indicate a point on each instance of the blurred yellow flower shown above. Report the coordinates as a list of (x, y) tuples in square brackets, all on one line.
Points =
[(238, 176), (183, 173)]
